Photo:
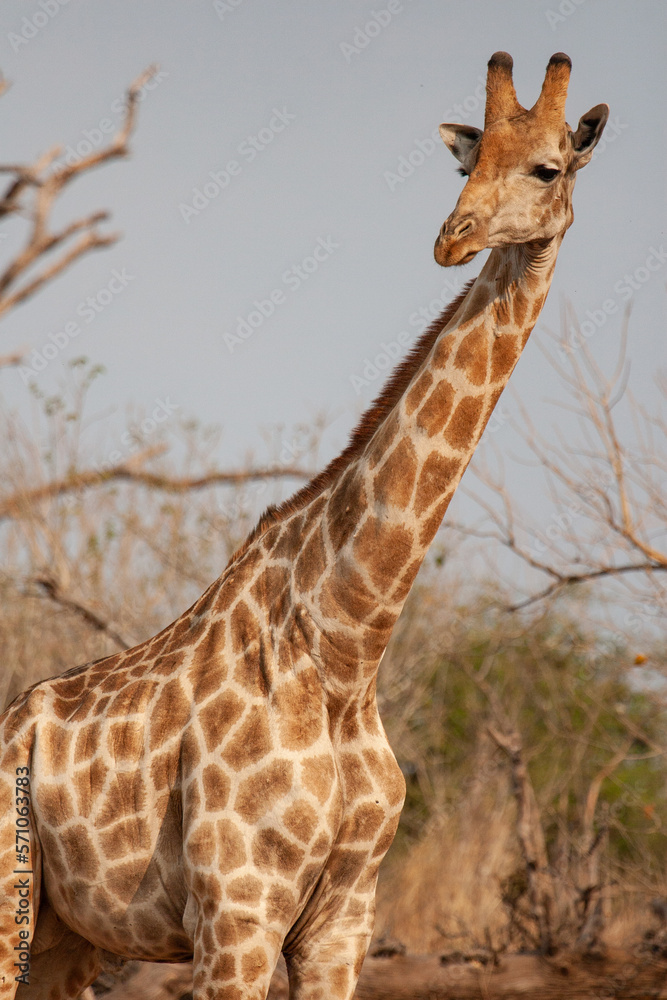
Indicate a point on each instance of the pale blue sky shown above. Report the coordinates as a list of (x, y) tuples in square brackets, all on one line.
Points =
[(316, 107)]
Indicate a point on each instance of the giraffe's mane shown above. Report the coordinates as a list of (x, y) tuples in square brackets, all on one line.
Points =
[(368, 424)]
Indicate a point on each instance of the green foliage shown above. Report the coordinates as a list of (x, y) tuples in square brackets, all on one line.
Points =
[(580, 707)]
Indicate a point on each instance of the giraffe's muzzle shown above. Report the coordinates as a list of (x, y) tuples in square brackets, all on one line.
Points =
[(458, 241)]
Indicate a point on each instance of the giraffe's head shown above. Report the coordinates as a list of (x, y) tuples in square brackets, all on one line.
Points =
[(521, 169)]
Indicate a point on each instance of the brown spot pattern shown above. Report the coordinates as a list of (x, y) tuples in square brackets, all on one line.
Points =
[(200, 845), (169, 714), (418, 392), (216, 786), (80, 851), (472, 355), (251, 742), (88, 784), (354, 776), (245, 889), (126, 797), (434, 478), (245, 628), (317, 774), (254, 964), (87, 742), (259, 793), (395, 480), (301, 820), (311, 562), (218, 717), (504, 354), (55, 804), (346, 865), (127, 837), (344, 595), (273, 852), (125, 740), (463, 422), (231, 930), (280, 904), (297, 706), (56, 742), (383, 548), (433, 415), (231, 849), (347, 499)]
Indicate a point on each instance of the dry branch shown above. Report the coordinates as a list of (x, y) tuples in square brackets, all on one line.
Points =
[(607, 492), (11, 360), (32, 193), (52, 589), (16, 504)]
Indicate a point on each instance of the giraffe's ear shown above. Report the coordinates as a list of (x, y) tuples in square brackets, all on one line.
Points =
[(460, 139), (588, 133)]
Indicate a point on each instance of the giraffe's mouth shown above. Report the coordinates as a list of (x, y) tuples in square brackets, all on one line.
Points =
[(453, 253)]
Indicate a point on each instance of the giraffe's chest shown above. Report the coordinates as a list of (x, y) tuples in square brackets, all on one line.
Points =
[(252, 805)]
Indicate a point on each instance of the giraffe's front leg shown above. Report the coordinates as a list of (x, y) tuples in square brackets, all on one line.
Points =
[(235, 948), (234, 957), (328, 971), (326, 948)]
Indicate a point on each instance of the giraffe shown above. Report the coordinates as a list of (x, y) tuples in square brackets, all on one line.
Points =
[(225, 790)]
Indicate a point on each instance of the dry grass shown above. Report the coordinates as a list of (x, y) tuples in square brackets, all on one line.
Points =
[(443, 892)]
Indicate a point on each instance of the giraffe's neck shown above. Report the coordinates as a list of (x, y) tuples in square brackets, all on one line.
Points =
[(367, 532)]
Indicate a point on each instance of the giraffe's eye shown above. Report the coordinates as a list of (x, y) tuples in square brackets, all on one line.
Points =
[(545, 173)]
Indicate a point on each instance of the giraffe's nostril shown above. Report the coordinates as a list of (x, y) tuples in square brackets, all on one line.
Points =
[(457, 229), (463, 228)]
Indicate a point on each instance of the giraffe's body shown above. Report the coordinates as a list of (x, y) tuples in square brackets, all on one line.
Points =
[(225, 790)]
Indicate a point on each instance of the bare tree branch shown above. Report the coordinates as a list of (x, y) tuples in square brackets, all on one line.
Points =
[(595, 786), (52, 589), (15, 504), (607, 493), (46, 183), (11, 360)]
